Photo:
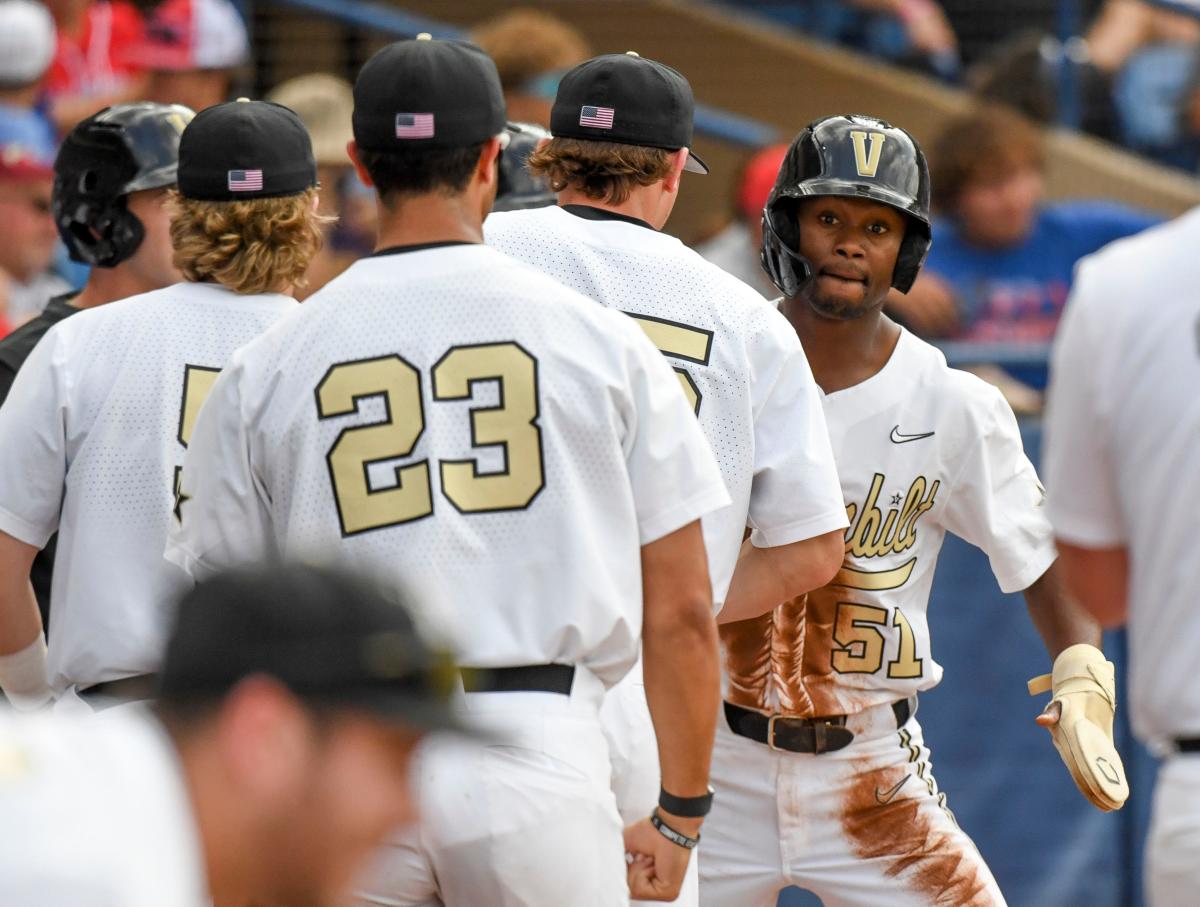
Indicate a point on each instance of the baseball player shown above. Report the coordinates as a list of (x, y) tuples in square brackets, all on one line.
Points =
[(441, 410), (516, 187), (737, 359), (822, 777), (111, 178), (93, 432), (1122, 442), (273, 762)]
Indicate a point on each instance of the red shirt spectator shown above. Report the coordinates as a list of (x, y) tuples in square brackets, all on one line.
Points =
[(92, 67)]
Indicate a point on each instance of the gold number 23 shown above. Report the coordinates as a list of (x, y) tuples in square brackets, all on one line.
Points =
[(510, 425)]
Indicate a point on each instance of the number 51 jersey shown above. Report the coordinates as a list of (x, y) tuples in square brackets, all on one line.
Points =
[(451, 418), (921, 449)]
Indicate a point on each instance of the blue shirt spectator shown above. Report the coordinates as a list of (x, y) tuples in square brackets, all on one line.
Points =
[(29, 128), (1002, 258), (1016, 293)]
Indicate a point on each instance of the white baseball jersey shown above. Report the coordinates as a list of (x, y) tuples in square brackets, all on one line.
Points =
[(737, 358), (922, 449), (94, 813), (458, 419), (1123, 452), (92, 436)]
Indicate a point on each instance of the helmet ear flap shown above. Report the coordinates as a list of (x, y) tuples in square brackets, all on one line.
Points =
[(913, 250), (103, 239), (786, 268)]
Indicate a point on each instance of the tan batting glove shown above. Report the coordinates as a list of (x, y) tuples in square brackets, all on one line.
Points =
[(1084, 687)]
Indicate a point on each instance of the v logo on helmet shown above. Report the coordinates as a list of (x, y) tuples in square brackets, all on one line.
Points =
[(868, 148)]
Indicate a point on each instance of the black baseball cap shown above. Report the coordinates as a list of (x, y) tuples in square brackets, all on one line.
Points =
[(332, 638), (628, 99), (245, 149), (425, 93)]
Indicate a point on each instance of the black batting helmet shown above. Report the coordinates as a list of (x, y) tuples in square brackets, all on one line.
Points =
[(518, 188), (122, 149), (856, 157)]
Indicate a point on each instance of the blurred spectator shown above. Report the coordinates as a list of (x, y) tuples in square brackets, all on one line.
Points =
[(736, 248), (1133, 66), (532, 50), (909, 32), (27, 43), (27, 232), (194, 51), (324, 102), (91, 67), (1002, 257)]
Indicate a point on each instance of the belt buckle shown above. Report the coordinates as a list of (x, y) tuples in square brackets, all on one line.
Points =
[(771, 732)]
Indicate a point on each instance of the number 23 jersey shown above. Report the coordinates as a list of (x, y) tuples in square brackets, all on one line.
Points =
[(453, 419), (921, 449)]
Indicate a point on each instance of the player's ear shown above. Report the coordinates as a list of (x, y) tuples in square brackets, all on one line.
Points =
[(352, 153), (675, 174), (488, 168)]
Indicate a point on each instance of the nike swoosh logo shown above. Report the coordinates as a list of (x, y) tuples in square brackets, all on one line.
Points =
[(898, 438), (883, 799)]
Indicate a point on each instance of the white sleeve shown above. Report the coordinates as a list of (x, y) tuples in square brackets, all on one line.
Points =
[(1081, 484), (796, 493), (226, 514), (996, 501), (33, 444), (673, 473)]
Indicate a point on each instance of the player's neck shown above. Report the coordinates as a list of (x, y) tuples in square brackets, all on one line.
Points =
[(644, 203), (842, 353), (110, 284), (429, 218)]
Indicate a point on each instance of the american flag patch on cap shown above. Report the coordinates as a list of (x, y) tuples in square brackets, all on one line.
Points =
[(245, 180), (596, 117), (414, 125)]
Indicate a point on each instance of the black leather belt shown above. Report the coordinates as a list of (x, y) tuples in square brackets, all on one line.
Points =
[(1188, 745), (802, 735), (521, 679), (127, 689)]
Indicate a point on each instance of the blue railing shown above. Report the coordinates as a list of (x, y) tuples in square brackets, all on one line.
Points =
[(1007, 355)]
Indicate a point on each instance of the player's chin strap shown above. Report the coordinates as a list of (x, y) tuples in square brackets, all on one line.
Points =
[(1084, 686)]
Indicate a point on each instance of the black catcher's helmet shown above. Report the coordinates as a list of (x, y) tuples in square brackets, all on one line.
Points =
[(857, 157), (518, 187), (121, 149)]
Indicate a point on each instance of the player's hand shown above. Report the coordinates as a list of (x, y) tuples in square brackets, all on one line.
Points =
[(658, 866), (929, 309), (1080, 719), (1050, 715)]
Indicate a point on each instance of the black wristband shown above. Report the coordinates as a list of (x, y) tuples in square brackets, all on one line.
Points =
[(675, 837), (686, 807)]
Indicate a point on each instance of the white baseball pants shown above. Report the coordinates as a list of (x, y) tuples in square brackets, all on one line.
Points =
[(636, 779), (1173, 845), (530, 822), (859, 827)]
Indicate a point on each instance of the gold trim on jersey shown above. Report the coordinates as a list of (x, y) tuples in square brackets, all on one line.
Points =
[(874, 534)]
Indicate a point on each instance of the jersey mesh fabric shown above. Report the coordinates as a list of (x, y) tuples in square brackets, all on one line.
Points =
[(91, 428), (922, 449), (759, 407), (557, 580)]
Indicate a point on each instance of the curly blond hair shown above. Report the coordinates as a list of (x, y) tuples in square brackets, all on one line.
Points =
[(259, 245), (604, 171)]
